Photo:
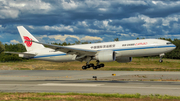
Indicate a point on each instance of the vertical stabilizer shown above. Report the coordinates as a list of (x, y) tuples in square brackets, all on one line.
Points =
[(25, 35)]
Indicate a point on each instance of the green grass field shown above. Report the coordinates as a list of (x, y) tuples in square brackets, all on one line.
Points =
[(137, 64), (84, 97)]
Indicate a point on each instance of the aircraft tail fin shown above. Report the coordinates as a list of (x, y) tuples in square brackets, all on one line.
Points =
[(25, 35)]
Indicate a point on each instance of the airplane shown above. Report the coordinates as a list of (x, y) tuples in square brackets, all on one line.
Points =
[(120, 51)]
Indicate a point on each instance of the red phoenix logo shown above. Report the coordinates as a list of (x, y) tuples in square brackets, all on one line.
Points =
[(28, 41)]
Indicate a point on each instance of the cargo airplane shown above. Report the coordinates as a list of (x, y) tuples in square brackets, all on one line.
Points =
[(120, 51)]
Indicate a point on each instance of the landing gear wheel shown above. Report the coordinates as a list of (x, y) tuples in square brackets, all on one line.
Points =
[(101, 65), (98, 66), (91, 65), (84, 67), (160, 61), (95, 67), (87, 66)]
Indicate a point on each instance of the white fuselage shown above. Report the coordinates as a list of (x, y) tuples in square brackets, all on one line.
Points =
[(130, 48)]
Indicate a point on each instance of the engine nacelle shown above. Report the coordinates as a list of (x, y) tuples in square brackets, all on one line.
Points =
[(25, 56), (105, 56), (123, 59)]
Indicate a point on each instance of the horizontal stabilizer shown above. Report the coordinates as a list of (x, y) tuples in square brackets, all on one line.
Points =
[(23, 54)]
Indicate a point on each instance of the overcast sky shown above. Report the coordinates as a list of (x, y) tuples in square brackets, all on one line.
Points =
[(89, 20)]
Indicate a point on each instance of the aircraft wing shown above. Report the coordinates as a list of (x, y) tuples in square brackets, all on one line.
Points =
[(69, 50)]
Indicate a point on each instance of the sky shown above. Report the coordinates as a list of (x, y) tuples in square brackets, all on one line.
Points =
[(89, 20)]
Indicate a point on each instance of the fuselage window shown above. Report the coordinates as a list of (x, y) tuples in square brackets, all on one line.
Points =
[(168, 43)]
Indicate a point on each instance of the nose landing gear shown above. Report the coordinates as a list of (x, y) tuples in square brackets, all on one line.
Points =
[(161, 56), (160, 60)]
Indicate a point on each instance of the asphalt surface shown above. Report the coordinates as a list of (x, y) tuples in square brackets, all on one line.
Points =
[(65, 81)]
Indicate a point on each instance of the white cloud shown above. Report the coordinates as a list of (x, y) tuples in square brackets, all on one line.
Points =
[(8, 13), (132, 2), (62, 38), (168, 19), (30, 5), (96, 3), (104, 27), (59, 28), (90, 38), (41, 37), (69, 5), (103, 9), (154, 2), (165, 4), (82, 23), (92, 30), (18, 5), (12, 9), (105, 23), (31, 27), (124, 35), (131, 19), (120, 18), (14, 41)]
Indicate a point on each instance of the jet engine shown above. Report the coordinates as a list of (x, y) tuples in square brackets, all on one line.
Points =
[(123, 59), (26, 55), (105, 56)]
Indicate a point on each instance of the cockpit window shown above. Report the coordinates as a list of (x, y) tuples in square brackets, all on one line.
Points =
[(168, 43)]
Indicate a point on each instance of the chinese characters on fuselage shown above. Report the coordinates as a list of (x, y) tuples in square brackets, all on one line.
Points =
[(102, 46)]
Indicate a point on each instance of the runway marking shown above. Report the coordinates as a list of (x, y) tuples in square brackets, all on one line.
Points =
[(58, 84), (91, 85), (36, 76), (102, 85), (133, 87)]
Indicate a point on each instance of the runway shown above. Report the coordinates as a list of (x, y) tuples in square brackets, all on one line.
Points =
[(65, 81)]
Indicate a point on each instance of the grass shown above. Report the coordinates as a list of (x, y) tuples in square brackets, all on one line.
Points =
[(84, 97), (137, 64)]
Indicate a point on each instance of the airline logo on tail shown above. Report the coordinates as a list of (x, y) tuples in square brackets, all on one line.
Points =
[(27, 42)]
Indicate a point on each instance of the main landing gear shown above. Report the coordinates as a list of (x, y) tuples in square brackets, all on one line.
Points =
[(92, 65)]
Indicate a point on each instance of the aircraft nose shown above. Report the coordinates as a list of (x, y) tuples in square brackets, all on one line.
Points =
[(174, 46)]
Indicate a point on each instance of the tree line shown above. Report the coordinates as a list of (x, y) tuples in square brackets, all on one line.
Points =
[(175, 54), (4, 57)]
